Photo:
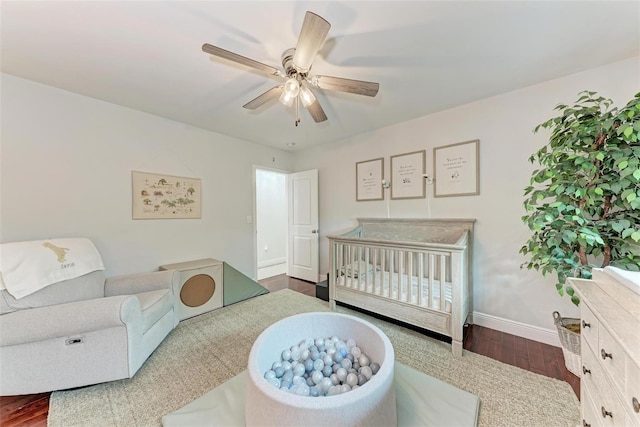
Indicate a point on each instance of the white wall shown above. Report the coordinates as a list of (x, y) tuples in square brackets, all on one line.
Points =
[(271, 222), (66, 163), (504, 125)]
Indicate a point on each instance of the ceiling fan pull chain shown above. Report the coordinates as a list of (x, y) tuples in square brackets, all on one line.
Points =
[(297, 110)]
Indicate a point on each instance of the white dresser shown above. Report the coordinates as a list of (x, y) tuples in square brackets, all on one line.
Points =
[(610, 350)]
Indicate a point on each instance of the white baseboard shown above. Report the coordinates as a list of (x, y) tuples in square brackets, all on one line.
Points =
[(535, 333), (272, 262), (271, 271)]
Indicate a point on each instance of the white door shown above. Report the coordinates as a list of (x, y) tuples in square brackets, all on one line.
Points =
[(303, 225)]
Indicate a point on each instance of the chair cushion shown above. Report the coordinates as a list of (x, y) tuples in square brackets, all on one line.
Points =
[(154, 305), (89, 286)]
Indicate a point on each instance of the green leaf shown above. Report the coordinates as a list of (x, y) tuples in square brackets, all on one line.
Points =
[(631, 197), (636, 173), (635, 236), (628, 131), (623, 164)]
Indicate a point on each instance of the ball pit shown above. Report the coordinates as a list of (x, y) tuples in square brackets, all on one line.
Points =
[(372, 403), (306, 361)]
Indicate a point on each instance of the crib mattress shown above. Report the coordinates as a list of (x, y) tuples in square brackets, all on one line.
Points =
[(386, 284)]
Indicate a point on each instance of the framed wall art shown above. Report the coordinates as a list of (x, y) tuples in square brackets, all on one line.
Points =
[(456, 169), (369, 174), (157, 196), (407, 181)]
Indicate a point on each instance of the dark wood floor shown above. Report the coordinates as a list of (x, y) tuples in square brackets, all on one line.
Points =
[(32, 410)]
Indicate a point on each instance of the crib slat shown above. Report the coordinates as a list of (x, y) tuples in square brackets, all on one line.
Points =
[(392, 257), (410, 276), (420, 278), (443, 277), (338, 254), (383, 262), (432, 272), (374, 262), (400, 275), (366, 263)]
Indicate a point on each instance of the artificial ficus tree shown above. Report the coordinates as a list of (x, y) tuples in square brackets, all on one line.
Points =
[(583, 203)]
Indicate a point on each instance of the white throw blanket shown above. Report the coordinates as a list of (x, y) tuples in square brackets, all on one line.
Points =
[(27, 267)]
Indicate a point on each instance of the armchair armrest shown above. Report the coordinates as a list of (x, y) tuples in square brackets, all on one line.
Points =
[(62, 320), (142, 282)]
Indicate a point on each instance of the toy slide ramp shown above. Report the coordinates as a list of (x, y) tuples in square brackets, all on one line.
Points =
[(238, 287)]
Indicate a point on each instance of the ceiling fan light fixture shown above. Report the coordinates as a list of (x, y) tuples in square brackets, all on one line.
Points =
[(286, 98), (306, 96), (292, 87)]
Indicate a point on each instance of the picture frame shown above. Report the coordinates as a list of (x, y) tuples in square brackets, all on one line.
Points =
[(407, 170), (369, 175), (158, 196), (456, 169)]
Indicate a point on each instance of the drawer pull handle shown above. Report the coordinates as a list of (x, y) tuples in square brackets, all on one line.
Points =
[(606, 413), (585, 370), (604, 355), (585, 324), (636, 404), (585, 424)]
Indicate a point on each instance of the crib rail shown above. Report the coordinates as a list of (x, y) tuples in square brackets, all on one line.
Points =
[(419, 275)]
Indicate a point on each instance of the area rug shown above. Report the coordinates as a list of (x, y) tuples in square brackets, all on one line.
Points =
[(207, 350)]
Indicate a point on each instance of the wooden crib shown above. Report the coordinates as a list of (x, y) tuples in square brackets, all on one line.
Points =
[(417, 271)]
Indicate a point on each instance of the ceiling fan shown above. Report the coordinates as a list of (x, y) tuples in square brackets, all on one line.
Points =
[(297, 64)]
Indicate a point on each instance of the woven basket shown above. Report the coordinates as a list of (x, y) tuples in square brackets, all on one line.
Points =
[(570, 343)]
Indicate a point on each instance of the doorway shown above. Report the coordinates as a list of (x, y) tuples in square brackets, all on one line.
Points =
[(272, 210), (286, 235)]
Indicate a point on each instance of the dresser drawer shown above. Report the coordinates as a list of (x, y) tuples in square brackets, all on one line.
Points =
[(589, 326), (612, 357), (595, 381), (590, 416), (632, 391)]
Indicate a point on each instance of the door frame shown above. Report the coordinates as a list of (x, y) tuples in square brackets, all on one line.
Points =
[(255, 212)]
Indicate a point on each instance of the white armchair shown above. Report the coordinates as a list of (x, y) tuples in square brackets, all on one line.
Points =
[(83, 331)]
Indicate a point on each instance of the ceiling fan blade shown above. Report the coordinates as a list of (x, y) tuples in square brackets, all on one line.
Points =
[(312, 35), (225, 54), (317, 112), (358, 87), (272, 93)]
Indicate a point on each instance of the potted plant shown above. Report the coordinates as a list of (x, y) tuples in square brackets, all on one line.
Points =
[(583, 203)]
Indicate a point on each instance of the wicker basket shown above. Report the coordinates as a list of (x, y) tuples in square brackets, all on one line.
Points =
[(570, 343)]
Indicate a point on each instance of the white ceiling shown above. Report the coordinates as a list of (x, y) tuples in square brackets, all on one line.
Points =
[(428, 56)]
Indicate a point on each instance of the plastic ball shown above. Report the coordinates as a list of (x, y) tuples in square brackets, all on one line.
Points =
[(356, 352), (367, 372), (352, 379), (362, 379), (364, 360), (286, 355), (334, 379), (375, 367), (298, 370), (341, 374), (327, 371), (346, 364)]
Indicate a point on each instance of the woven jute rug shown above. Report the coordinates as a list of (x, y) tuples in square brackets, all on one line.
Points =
[(207, 350)]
